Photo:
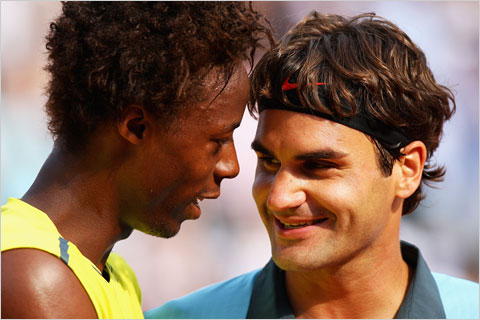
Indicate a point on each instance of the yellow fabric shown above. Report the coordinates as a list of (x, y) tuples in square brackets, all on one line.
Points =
[(24, 226)]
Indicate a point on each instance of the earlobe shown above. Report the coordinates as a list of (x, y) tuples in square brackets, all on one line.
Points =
[(133, 124), (411, 168)]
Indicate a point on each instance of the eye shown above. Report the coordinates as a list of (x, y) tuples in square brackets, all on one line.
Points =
[(313, 165), (269, 163), (221, 142)]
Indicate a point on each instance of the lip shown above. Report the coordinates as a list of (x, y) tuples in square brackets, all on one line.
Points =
[(195, 203), (210, 196), (196, 211), (301, 232)]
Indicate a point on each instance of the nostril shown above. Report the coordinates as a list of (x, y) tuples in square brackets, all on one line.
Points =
[(218, 180)]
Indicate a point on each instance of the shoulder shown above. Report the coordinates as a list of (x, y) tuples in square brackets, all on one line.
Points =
[(227, 299), (37, 284), (460, 297)]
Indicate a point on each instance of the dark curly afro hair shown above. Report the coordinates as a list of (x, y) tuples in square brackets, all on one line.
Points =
[(104, 56)]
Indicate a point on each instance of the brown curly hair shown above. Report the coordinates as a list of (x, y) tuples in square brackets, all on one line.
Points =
[(105, 55), (370, 64)]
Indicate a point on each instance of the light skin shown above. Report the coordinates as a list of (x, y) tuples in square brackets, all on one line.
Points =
[(332, 216), (148, 176)]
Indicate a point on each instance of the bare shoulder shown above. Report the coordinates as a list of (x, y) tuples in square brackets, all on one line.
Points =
[(36, 284)]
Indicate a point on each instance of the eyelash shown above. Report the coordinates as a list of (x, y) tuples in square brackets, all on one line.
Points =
[(308, 165), (266, 161), (222, 142), (319, 165)]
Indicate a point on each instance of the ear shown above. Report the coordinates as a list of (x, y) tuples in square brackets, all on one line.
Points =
[(133, 124), (411, 168)]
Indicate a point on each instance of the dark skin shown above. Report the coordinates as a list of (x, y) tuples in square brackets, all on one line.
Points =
[(134, 152), (59, 190), (38, 285), (53, 192)]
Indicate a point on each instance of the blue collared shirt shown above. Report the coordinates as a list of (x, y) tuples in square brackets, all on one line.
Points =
[(422, 300), (262, 294)]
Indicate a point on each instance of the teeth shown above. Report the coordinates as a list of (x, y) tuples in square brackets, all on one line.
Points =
[(295, 225), (300, 225)]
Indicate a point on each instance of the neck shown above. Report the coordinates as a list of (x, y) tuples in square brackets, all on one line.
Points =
[(371, 286), (80, 201)]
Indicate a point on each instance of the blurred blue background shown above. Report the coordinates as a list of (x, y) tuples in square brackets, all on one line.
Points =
[(229, 238)]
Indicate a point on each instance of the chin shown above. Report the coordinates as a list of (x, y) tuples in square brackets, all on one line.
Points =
[(159, 229), (289, 264), (161, 232), (297, 265), (294, 259)]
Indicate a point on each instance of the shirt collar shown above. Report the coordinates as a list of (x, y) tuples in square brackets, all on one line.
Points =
[(422, 300)]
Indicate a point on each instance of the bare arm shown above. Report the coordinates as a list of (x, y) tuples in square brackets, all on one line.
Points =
[(36, 284)]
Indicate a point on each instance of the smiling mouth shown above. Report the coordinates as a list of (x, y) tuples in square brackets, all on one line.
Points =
[(301, 224)]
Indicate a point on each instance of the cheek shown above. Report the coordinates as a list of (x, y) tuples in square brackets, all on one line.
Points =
[(260, 191), (334, 194), (340, 197), (197, 167), (261, 186), (359, 204)]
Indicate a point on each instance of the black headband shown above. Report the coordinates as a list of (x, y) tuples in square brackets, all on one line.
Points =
[(362, 121)]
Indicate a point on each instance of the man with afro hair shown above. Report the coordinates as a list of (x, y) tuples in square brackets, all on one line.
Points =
[(142, 102)]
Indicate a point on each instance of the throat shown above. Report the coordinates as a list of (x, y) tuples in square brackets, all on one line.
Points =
[(318, 297)]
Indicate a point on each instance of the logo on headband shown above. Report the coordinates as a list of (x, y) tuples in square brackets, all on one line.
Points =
[(362, 121), (287, 85)]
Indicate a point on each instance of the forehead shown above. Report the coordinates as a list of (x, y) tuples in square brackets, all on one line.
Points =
[(222, 103), (282, 131), (220, 95)]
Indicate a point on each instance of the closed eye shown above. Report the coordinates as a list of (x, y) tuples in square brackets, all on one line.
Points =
[(319, 165), (222, 142)]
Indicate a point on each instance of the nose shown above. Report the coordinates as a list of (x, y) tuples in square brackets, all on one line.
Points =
[(285, 192), (227, 166)]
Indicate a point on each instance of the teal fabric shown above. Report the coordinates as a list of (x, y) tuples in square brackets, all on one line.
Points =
[(269, 298), (460, 297), (422, 299), (225, 300), (430, 295)]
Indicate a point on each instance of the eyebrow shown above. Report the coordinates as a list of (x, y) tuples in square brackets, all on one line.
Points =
[(258, 147), (313, 155), (321, 154), (231, 127)]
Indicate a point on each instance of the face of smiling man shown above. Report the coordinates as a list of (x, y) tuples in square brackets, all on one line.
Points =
[(320, 192)]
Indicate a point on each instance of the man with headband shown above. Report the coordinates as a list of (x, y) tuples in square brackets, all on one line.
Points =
[(349, 117)]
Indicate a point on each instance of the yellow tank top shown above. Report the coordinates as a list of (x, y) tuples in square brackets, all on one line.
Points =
[(23, 226)]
